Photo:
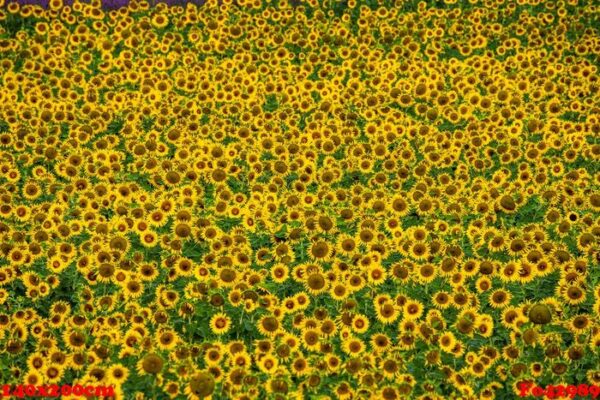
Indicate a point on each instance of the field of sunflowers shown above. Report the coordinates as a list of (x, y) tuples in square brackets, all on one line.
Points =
[(324, 199)]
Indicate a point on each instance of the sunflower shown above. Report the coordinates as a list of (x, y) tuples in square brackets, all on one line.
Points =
[(302, 300), (572, 294), (579, 324), (132, 288), (525, 272), (269, 326), (117, 374), (412, 310), (344, 391), (240, 358), (184, 267), (268, 363), (447, 341), (279, 273), (291, 341), (53, 373), (166, 339), (483, 284), (426, 273), (426, 206), (586, 241), (360, 323), (380, 342), (147, 272), (387, 313), (36, 361), (320, 250), (228, 277), (399, 206), (119, 243), (220, 323), (419, 251), (327, 328), (346, 245), (18, 256), (376, 275), (150, 364), (316, 283), (499, 298), (33, 377), (365, 236), (31, 191), (484, 325), (540, 314), (339, 292), (543, 267), (353, 346), (74, 340), (442, 299), (310, 339), (200, 385), (509, 272), (390, 368), (276, 385), (355, 283), (156, 218)]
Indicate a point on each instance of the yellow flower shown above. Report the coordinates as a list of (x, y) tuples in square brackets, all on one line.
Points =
[(279, 273), (159, 20), (267, 364), (310, 339), (353, 346), (360, 323), (220, 323), (447, 341), (387, 312), (117, 374), (167, 339), (412, 310)]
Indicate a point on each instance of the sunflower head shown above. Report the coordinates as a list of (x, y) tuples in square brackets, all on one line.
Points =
[(540, 314), (152, 364), (202, 384)]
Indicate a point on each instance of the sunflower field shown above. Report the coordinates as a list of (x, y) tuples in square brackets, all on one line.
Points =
[(277, 199)]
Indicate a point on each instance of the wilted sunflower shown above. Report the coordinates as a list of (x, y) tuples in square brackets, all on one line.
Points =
[(200, 386), (150, 364)]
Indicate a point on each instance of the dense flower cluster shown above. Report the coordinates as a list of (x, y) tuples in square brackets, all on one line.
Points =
[(320, 200)]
